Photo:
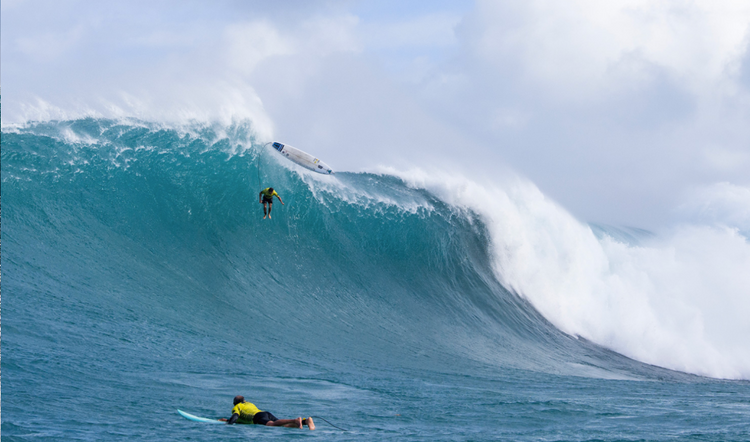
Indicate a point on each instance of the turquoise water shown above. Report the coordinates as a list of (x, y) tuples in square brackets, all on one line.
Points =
[(138, 278)]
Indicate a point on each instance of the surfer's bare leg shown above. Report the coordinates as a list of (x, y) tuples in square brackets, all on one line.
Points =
[(291, 423), (270, 206), (265, 209)]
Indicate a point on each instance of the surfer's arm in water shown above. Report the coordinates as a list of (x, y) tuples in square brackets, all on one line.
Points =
[(233, 419)]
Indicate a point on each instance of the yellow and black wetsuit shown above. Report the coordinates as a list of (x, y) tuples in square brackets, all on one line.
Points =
[(268, 195), (250, 414), (246, 411)]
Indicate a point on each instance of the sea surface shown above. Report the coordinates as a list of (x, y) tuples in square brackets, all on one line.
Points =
[(138, 278)]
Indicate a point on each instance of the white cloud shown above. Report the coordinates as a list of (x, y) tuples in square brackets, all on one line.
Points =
[(321, 35), (583, 48), (50, 45), (726, 159), (723, 203), (509, 118), (249, 43), (429, 31)]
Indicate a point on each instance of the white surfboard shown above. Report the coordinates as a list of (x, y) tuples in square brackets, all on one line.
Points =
[(304, 159), (195, 418)]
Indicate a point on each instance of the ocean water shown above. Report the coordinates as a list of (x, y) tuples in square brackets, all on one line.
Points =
[(139, 277)]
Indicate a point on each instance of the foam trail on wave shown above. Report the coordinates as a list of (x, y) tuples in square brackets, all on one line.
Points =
[(678, 300)]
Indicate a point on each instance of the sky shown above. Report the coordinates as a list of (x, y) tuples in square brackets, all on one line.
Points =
[(626, 112)]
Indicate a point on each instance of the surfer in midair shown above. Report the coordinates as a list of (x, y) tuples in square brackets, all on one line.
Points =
[(266, 197)]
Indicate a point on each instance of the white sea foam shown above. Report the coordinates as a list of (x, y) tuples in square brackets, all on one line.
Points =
[(221, 105), (373, 198), (680, 300)]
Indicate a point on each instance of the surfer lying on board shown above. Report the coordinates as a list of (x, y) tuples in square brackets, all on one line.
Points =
[(266, 197), (247, 413)]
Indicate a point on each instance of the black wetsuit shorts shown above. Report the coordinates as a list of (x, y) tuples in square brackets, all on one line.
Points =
[(268, 200), (263, 418)]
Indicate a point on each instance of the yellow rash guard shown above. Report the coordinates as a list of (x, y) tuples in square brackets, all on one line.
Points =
[(267, 194), (246, 410)]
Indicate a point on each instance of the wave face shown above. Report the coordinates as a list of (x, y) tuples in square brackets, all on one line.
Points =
[(151, 217), (167, 222), (138, 246)]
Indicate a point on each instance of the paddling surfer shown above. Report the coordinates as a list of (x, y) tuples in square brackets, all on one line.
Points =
[(266, 197), (247, 413)]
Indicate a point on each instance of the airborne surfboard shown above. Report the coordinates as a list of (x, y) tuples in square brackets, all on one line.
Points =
[(302, 158)]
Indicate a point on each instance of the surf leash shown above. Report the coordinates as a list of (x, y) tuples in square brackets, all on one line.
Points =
[(260, 152), (334, 426)]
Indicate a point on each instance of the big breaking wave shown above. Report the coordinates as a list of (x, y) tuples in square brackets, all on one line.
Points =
[(437, 263)]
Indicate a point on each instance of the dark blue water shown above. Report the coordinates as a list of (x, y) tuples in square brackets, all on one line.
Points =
[(139, 277)]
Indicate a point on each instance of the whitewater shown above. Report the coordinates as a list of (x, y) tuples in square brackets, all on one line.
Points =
[(139, 278)]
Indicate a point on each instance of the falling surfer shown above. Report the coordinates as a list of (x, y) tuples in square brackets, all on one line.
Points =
[(266, 197)]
